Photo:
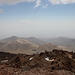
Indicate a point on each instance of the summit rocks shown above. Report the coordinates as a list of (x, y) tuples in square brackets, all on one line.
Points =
[(56, 62)]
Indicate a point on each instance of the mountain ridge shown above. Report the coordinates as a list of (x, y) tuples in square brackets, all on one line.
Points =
[(63, 41), (25, 45)]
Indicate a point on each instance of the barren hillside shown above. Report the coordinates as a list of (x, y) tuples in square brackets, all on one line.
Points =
[(56, 62)]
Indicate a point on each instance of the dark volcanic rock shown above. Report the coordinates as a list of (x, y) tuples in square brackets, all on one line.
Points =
[(57, 62)]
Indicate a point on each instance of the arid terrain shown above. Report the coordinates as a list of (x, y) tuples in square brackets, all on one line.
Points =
[(37, 37), (26, 45), (68, 43), (31, 56), (55, 62)]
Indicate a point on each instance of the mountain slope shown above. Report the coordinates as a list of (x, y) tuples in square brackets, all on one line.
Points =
[(17, 45), (36, 41), (26, 45), (30, 39), (10, 39), (56, 62), (48, 47), (63, 41)]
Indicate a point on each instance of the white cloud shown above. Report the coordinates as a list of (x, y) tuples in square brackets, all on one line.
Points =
[(67, 1), (4, 2), (55, 1), (38, 3), (45, 6), (11, 2), (62, 1), (1, 10)]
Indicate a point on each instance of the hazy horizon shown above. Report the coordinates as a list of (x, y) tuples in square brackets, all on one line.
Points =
[(37, 18), (41, 38)]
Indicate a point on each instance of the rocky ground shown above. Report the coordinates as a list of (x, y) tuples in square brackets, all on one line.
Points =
[(56, 62)]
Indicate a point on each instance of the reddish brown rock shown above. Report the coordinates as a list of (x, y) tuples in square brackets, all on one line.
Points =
[(57, 62)]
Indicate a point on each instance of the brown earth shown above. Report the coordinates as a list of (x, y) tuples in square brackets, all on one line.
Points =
[(48, 47), (56, 62), (25, 45)]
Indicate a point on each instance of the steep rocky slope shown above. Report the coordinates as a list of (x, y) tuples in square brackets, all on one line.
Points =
[(56, 62)]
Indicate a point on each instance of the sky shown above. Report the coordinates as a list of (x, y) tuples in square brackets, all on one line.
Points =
[(37, 18)]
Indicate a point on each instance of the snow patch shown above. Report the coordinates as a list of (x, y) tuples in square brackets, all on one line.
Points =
[(47, 59), (3, 61), (31, 58)]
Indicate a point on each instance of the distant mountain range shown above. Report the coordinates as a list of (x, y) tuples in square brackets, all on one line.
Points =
[(25, 45), (63, 41), (31, 39)]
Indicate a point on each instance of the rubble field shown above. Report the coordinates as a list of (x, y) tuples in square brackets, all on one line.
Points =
[(55, 62)]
